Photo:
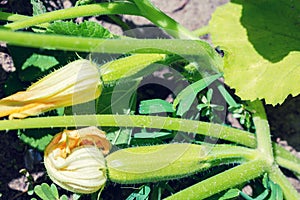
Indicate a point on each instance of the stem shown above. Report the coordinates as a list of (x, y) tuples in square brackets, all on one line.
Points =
[(264, 143), (184, 47), (203, 128), (80, 11), (201, 31), (163, 21), (12, 17), (289, 192), (225, 180), (283, 157)]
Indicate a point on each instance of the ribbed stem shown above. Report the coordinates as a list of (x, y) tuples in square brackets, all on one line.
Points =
[(225, 180)]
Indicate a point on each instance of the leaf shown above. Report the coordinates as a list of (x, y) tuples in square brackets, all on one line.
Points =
[(42, 62), (155, 106), (44, 192), (142, 194), (186, 97), (119, 137), (38, 139), (276, 192), (64, 197), (84, 29), (152, 135), (37, 7), (54, 190), (230, 194), (261, 42)]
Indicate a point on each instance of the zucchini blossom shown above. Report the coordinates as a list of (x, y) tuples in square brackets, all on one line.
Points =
[(75, 161), (75, 83)]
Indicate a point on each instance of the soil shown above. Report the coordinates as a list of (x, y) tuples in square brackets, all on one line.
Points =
[(15, 155)]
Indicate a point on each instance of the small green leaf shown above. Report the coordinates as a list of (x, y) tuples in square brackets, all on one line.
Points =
[(44, 192), (64, 197), (84, 29), (209, 95), (42, 62), (155, 106), (142, 194), (37, 7), (186, 97), (54, 190), (38, 139), (263, 195), (230, 194), (265, 181), (276, 192), (119, 137), (146, 135), (231, 102)]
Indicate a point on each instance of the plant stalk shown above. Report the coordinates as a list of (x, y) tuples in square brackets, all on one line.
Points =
[(225, 180), (289, 192), (159, 18), (263, 135), (283, 157), (80, 11)]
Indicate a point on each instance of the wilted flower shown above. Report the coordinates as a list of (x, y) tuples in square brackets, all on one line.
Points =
[(75, 159), (75, 83)]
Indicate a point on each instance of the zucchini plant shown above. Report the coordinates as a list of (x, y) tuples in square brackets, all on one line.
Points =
[(143, 141)]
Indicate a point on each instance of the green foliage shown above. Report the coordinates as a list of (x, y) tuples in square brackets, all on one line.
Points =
[(43, 62), (84, 29), (38, 139), (142, 194), (271, 192), (186, 97), (206, 108), (155, 106), (37, 7), (46, 192), (261, 43), (243, 113), (230, 194), (120, 137)]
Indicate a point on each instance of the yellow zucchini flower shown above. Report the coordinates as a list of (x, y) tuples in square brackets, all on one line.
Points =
[(75, 83), (75, 161)]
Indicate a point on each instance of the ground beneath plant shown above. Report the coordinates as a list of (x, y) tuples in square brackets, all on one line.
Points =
[(15, 155)]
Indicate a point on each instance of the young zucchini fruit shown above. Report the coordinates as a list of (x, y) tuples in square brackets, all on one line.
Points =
[(155, 163)]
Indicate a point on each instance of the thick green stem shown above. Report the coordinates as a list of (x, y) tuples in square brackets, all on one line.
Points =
[(80, 11), (225, 180), (289, 192), (163, 21), (204, 128), (283, 157), (264, 143), (183, 47)]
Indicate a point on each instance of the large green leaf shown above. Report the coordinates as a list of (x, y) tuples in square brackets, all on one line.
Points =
[(261, 40)]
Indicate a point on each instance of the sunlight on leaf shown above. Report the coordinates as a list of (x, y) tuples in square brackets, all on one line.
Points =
[(42, 62), (84, 29), (261, 43)]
